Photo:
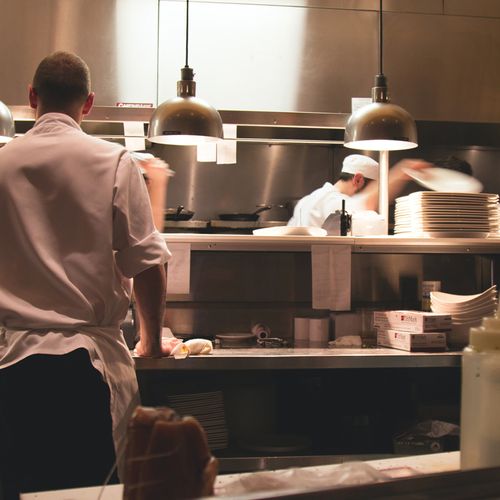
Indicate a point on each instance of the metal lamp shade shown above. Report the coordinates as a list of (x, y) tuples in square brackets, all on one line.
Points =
[(185, 120), (381, 126), (7, 129)]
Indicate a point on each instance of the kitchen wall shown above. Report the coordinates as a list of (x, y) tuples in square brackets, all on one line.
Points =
[(441, 58), (117, 38)]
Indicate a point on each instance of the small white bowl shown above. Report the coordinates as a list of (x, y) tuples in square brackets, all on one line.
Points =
[(451, 298), (457, 311)]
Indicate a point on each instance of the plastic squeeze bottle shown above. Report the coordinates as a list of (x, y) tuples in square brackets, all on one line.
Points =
[(480, 406)]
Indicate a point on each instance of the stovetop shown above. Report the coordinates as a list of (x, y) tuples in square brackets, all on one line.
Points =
[(216, 225)]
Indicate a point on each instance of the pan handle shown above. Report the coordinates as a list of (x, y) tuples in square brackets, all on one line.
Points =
[(262, 208)]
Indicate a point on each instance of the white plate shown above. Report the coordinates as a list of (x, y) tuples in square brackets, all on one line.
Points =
[(442, 234), (290, 231), (473, 225), (445, 199), (445, 180), (445, 195), (437, 226), (455, 309), (453, 298), (452, 217), (459, 312)]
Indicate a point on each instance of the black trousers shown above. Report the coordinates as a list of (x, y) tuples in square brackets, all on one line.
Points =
[(55, 425)]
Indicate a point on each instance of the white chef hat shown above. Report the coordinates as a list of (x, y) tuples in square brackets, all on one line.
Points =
[(362, 164)]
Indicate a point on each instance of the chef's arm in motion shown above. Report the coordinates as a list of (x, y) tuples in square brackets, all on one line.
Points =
[(158, 175), (150, 295), (397, 180)]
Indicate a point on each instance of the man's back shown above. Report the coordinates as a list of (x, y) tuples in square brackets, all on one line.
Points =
[(57, 203)]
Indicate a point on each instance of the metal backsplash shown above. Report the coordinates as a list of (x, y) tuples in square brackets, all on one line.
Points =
[(117, 38), (273, 171), (232, 291)]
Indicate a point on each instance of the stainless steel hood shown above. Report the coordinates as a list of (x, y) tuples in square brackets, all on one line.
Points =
[(269, 127)]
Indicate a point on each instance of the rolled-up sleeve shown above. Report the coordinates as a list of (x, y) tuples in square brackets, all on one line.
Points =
[(136, 242)]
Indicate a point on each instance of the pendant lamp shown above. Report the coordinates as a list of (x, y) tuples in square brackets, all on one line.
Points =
[(381, 126), (185, 120), (7, 129)]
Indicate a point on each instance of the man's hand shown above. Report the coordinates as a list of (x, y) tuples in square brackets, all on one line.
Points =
[(397, 173), (167, 345), (398, 178)]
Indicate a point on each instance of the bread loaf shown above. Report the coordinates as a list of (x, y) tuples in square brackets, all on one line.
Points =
[(167, 457)]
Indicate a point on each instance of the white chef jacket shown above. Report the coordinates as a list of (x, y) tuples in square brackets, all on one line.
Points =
[(314, 208), (76, 225)]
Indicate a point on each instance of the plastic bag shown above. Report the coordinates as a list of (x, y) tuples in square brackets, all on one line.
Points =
[(310, 478)]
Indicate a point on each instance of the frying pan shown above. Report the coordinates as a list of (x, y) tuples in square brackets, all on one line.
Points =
[(179, 213), (245, 217)]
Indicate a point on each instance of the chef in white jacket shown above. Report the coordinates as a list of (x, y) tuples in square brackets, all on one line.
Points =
[(357, 172), (357, 185)]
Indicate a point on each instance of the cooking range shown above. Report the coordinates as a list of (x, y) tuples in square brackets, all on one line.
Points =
[(181, 220)]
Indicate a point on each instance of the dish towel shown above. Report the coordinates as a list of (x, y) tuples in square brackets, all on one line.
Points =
[(331, 277)]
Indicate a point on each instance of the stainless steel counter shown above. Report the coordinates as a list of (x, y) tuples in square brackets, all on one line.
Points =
[(379, 244), (303, 359)]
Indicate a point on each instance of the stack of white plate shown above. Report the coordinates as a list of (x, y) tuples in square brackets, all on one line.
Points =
[(466, 311), (439, 214), (208, 409)]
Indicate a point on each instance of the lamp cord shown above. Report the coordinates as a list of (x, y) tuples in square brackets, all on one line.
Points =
[(187, 32), (380, 40)]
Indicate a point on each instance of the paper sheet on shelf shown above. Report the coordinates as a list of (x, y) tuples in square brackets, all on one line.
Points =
[(206, 152), (226, 149), (179, 268), (331, 277), (134, 136)]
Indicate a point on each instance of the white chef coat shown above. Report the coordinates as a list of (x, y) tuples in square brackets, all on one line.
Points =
[(314, 208), (76, 225)]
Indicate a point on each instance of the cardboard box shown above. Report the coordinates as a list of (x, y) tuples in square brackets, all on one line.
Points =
[(411, 341), (411, 321)]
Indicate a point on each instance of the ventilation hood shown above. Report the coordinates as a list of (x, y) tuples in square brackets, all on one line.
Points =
[(111, 123)]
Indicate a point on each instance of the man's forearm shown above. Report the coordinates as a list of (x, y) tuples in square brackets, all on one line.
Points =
[(150, 296)]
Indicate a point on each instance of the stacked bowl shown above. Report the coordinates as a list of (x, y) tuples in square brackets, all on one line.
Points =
[(466, 311)]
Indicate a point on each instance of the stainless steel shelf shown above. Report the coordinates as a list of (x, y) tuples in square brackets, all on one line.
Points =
[(303, 359), (280, 127), (381, 244)]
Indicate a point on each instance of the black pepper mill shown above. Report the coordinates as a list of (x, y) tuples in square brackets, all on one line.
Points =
[(345, 221)]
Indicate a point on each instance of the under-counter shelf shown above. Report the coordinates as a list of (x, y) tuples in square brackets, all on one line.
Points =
[(303, 359)]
